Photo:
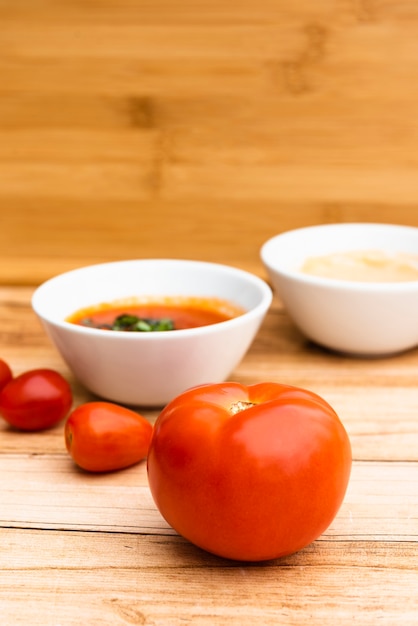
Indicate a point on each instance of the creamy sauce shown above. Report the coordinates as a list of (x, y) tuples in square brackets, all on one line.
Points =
[(364, 266)]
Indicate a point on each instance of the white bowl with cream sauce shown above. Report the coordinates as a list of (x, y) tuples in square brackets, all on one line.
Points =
[(351, 287)]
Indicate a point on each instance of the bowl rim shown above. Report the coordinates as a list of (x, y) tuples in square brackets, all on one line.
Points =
[(266, 297), (336, 283)]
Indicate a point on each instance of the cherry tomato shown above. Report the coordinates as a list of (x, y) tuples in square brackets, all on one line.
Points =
[(249, 472), (5, 374), (102, 436), (35, 400)]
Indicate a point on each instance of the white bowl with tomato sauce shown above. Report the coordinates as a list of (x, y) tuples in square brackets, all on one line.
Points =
[(150, 367), (351, 287)]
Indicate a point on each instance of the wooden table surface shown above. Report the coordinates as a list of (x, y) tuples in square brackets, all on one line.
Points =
[(77, 548)]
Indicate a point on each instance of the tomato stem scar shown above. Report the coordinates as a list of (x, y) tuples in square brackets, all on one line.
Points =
[(69, 439), (239, 406)]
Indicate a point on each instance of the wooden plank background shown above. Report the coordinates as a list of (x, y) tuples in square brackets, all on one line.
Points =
[(130, 128)]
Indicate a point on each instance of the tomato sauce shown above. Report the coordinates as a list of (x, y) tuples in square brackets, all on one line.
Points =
[(190, 312)]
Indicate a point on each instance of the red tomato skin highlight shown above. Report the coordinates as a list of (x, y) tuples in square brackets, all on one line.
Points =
[(103, 437), (253, 486), (35, 400), (5, 374)]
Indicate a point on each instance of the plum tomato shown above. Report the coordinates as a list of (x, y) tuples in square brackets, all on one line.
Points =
[(35, 400), (250, 473), (5, 373), (103, 437)]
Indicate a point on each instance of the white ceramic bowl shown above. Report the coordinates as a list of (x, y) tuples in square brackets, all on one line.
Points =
[(363, 318), (150, 368)]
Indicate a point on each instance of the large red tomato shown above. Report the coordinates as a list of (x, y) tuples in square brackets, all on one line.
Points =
[(35, 400), (102, 436), (249, 473)]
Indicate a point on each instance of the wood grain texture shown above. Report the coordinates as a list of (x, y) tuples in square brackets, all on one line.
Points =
[(128, 129), (134, 582)]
